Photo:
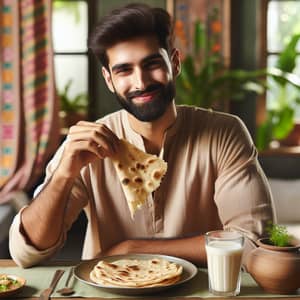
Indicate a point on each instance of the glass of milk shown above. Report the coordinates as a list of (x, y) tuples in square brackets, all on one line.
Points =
[(224, 255)]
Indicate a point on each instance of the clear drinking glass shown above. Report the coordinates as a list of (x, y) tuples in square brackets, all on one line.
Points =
[(224, 255)]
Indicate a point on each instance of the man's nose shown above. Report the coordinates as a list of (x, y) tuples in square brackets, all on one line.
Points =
[(141, 79)]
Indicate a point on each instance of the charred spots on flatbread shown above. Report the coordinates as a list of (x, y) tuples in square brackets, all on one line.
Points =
[(113, 266), (123, 272), (139, 166), (156, 175), (150, 184), (138, 180), (134, 267), (150, 161), (132, 169), (125, 181), (120, 166)]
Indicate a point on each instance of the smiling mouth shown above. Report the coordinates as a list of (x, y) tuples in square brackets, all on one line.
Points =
[(145, 97)]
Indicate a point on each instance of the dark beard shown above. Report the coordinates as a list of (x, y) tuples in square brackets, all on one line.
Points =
[(152, 110)]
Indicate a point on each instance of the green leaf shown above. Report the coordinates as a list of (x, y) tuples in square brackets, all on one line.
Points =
[(287, 59), (199, 38), (188, 72), (283, 122), (77, 104), (264, 135), (255, 87), (279, 235), (282, 78)]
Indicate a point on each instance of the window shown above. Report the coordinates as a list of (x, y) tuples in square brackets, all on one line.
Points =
[(70, 32), (282, 23)]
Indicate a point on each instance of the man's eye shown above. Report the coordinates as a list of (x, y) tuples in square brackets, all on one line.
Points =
[(153, 64), (123, 71)]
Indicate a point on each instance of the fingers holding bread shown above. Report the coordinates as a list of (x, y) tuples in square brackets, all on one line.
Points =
[(103, 141), (86, 142)]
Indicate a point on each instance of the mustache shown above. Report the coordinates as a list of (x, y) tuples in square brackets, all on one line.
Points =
[(150, 88)]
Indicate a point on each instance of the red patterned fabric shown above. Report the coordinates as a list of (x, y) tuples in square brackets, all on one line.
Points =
[(29, 131)]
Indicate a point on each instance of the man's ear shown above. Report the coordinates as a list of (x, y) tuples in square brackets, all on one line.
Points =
[(107, 77), (176, 64)]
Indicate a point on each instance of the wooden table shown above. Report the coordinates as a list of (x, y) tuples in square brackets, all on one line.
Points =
[(10, 263)]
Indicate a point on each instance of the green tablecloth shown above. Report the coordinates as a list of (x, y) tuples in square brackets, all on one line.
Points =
[(39, 277)]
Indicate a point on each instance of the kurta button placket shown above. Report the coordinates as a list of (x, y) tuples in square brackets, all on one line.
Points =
[(150, 215), (158, 215)]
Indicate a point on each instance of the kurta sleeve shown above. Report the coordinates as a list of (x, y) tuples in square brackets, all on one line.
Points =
[(24, 253), (242, 193)]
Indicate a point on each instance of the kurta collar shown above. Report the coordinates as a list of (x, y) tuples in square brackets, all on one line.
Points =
[(137, 139)]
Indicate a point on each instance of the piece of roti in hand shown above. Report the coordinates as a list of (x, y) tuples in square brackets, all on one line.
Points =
[(140, 174)]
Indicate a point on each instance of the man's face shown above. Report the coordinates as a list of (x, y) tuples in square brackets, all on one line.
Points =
[(141, 76)]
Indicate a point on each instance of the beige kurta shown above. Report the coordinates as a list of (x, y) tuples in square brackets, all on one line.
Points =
[(213, 181)]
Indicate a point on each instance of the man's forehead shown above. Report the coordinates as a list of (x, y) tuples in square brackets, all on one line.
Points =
[(134, 51)]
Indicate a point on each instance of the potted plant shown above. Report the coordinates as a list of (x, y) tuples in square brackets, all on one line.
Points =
[(72, 109), (278, 236), (285, 85), (275, 263), (206, 82), (204, 79)]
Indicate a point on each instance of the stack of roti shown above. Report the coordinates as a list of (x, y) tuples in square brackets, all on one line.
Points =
[(136, 273), (140, 174)]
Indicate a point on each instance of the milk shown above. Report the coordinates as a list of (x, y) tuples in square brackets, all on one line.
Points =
[(224, 263)]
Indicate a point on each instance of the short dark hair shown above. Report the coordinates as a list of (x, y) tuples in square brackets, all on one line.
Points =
[(130, 21)]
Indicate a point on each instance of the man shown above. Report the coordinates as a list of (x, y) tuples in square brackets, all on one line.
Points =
[(213, 179)]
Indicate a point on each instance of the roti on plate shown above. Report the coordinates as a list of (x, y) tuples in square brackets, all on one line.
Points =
[(136, 273), (140, 173)]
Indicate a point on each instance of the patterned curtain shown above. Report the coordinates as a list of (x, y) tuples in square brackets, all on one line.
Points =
[(29, 125)]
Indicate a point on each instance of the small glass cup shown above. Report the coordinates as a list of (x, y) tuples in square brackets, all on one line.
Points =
[(224, 251)]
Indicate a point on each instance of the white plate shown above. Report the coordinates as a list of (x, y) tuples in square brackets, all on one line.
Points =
[(82, 273)]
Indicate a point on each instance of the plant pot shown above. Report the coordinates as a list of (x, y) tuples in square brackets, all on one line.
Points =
[(275, 269)]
